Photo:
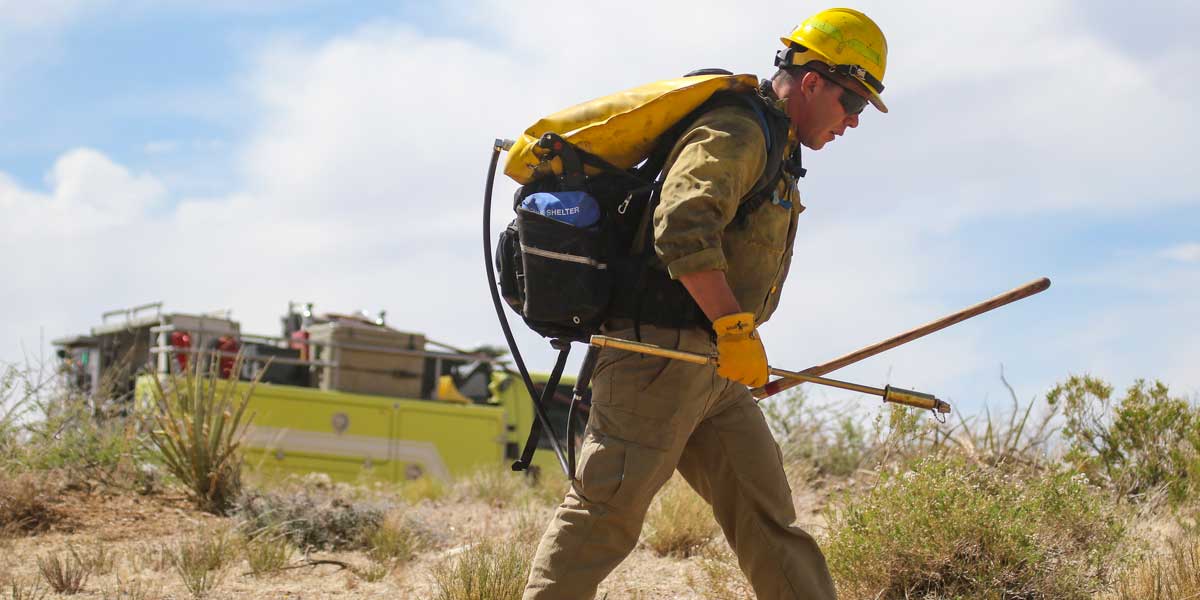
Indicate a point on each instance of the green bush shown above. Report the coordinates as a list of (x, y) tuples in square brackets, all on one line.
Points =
[(1145, 442), (949, 528), (46, 426)]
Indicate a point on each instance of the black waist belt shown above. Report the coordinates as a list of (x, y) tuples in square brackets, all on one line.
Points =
[(651, 297)]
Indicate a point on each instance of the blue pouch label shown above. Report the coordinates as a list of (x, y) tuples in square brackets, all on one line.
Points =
[(578, 209)]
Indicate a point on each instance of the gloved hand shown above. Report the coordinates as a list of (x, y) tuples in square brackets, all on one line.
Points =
[(740, 353)]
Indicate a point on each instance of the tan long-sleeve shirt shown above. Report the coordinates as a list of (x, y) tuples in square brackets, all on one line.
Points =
[(709, 171)]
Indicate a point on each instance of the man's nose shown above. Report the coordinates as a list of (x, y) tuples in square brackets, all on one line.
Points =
[(852, 121)]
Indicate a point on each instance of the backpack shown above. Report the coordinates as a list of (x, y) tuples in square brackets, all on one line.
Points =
[(565, 277), (579, 251)]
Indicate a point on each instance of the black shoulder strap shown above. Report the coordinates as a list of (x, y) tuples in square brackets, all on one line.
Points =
[(775, 130)]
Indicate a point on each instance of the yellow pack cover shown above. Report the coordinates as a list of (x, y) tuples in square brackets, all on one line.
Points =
[(620, 128)]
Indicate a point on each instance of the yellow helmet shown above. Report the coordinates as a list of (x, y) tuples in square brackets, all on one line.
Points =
[(846, 40)]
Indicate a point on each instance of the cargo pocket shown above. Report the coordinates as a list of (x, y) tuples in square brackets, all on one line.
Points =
[(601, 468)]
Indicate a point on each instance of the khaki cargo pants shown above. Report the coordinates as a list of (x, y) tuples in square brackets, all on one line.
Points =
[(650, 416)]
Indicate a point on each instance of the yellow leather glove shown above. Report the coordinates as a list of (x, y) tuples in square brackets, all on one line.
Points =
[(740, 353)]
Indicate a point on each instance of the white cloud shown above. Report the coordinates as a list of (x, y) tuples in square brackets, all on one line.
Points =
[(1189, 252), (88, 193), (19, 15), (160, 147), (30, 31)]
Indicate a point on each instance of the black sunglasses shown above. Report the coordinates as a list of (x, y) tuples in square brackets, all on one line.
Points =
[(852, 102)]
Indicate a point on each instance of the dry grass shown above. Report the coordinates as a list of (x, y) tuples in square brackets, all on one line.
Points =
[(720, 578), (493, 486), (99, 558), (488, 570), (23, 588), (267, 552), (25, 505), (374, 571), (398, 539), (131, 589), (1173, 575), (423, 489), (679, 522), (200, 561), (65, 573)]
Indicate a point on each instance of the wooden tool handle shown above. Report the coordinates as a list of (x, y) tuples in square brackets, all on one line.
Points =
[(1024, 291)]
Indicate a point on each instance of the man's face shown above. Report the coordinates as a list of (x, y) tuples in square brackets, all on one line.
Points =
[(818, 111)]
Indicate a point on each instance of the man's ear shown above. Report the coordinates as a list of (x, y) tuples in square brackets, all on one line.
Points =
[(810, 82)]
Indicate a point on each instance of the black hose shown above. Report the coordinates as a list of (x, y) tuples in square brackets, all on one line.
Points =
[(508, 336)]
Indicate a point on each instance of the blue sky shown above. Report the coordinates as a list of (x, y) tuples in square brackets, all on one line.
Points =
[(216, 156)]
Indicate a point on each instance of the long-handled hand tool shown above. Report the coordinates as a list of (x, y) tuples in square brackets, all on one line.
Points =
[(889, 393), (1024, 291)]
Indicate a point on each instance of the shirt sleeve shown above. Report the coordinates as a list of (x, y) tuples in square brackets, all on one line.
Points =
[(710, 169)]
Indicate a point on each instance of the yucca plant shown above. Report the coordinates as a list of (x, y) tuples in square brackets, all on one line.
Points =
[(197, 428)]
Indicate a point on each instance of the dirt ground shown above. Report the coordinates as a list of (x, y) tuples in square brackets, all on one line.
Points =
[(134, 530)]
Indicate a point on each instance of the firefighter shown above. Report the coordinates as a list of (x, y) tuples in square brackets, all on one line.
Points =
[(651, 416)]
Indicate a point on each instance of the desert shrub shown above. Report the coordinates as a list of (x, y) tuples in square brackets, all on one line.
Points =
[(1145, 442), (65, 573), (720, 577), (493, 485), (486, 571), (47, 425), (149, 557), (679, 522), (1172, 575), (267, 552), (374, 571), (69, 439), (806, 435), (311, 520), (424, 488), (25, 588), (200, 561), (829, 442), (98, 558), (25, 505), (399, 538), (1020, 436), (197, 428), (128, 588), (547, 489), (15, 396), (949, 528), (528, 524)]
